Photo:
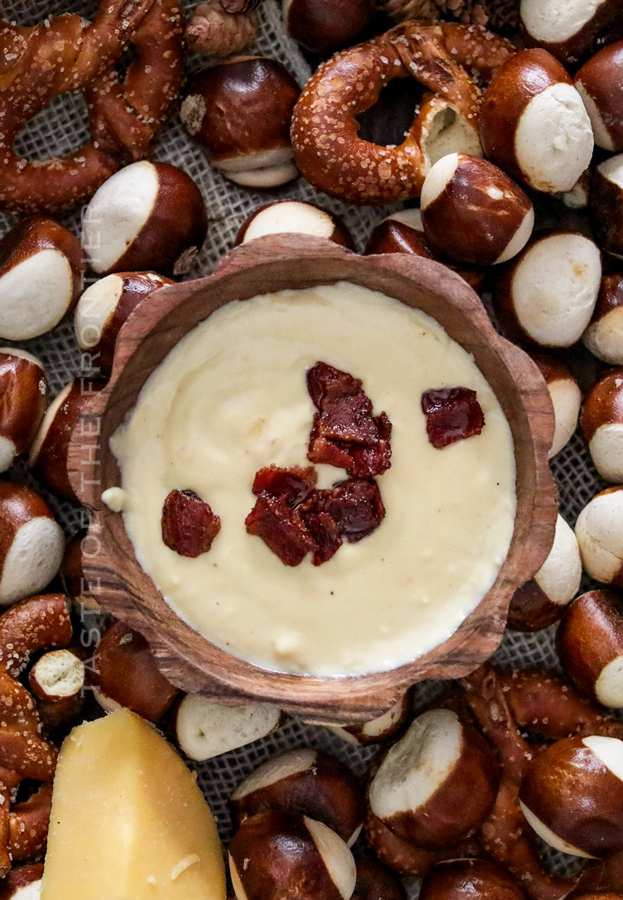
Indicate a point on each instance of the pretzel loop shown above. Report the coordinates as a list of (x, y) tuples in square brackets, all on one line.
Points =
[(444, 58)]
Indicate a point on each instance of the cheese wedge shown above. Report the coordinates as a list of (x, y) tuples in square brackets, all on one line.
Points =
[(128, 820)]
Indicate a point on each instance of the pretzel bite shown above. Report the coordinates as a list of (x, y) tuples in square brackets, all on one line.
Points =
[(571, 29), (403, 232), (572, 795), (41, 273), (473, 212), (590, 645), (239, 113), (125, 674), (324, 25), (383, 728), (599, 85), (437, 784), (306, 782), (470, 879), (294, 217), (150, 215), (546, 296), (24, 391), (375, 882), (604, 335), (542, 601), (599, 530), (606, 205), (274, 851), (32, 545), (205, 729), (105, 306), (602, 425), (48, 454), (534, 124), (566, 398)]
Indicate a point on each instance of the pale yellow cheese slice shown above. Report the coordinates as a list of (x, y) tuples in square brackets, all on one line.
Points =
[(128, 820)]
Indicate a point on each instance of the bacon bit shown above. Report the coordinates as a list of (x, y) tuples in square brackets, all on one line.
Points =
[(293, 483), (354, 505), (292, 518), (326, 534), (281, 528), (326, 383), (371, 461), (452, 414), (345, 434), (349, 511), (188, 524)]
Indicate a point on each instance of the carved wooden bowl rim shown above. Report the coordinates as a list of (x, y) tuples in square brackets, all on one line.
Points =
[(271, 264)]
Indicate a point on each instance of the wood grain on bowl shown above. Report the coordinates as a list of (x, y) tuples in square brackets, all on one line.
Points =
[(262, 266)]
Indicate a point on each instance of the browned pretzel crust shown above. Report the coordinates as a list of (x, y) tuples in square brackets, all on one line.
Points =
[(67, 53), (445, 58), (36, 624)]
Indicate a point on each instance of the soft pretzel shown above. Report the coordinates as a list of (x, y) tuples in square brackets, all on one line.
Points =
[(445, 58), (67, 53), (38, 623)]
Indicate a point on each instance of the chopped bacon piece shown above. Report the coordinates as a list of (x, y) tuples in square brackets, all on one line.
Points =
[(281, 528), (326, 535), (325, 382), (290, 515), (371, 461), (355, 506), (349, 511), (188, 524), (348, 419), (345, 433), (452, 414), (293, 483), (325, 452)]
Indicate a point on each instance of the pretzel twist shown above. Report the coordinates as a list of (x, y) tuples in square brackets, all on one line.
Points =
[(67, 53), (445, 58)]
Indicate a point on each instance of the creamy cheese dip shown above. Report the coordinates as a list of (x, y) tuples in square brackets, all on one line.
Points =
[(232, 397)]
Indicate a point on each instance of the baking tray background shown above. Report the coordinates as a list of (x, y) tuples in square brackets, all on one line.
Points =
[(62, 127)]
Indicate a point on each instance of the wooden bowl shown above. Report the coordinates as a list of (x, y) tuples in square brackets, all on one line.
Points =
[(273, 264)]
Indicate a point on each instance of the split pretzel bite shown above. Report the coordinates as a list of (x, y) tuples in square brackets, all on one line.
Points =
[(36, 624), (67, 53), (502, 704), (328, 150)]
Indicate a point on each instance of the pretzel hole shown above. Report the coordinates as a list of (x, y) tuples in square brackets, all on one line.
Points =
[(126, 59), (25, 790), (447, 131), (388, 121), (58, 130)]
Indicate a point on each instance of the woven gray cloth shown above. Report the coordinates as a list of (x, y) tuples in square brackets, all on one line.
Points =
[(62, 127)]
